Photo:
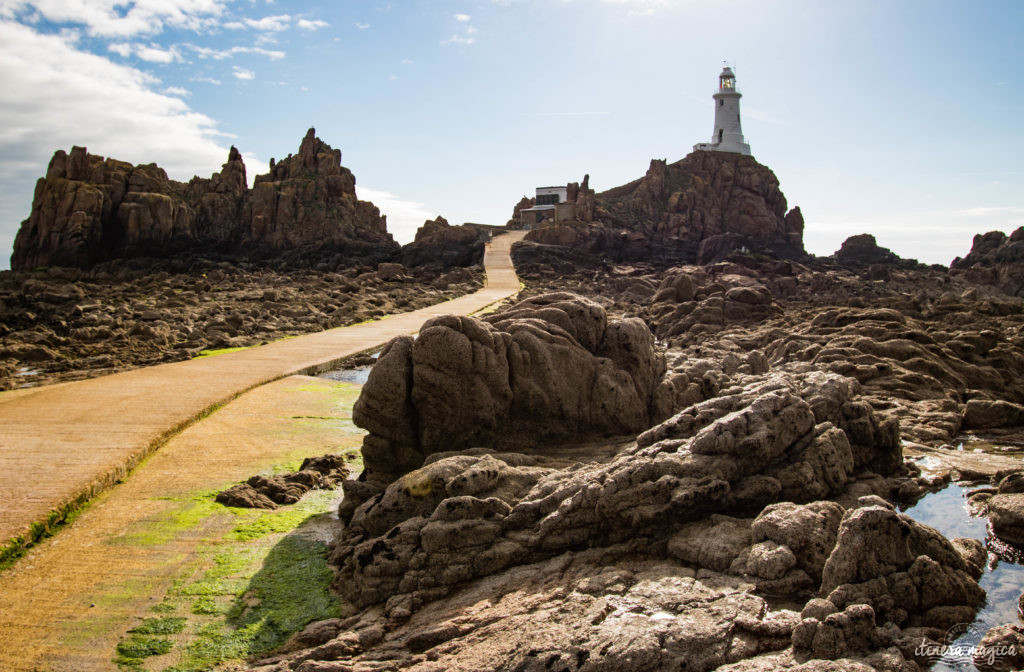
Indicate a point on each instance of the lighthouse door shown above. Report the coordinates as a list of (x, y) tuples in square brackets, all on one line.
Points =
[(720, 132)]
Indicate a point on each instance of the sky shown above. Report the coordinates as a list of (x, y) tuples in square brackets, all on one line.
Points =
[(899, 118)]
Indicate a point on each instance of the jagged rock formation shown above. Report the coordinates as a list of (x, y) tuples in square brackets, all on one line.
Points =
[(700, 209), (437, 243), (89, 209), (995, 259)]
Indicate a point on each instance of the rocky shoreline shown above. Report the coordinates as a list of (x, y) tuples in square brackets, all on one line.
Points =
[(686, 445), (740, 512), (62, 324)]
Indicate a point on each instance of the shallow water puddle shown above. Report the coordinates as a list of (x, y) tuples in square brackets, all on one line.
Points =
[(949, 513), (354, 374)]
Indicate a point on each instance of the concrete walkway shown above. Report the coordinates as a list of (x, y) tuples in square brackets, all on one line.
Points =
[(62, 444)]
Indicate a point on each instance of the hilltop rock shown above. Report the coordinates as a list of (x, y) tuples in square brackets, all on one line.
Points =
[(89, 209), (995, 259), (701, 209)]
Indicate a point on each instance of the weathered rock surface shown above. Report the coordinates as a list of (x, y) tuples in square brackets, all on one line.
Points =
[(995, 259), (907, 572), (89, 209), (550, 368), (460, 518), (769, 478), (267, 492), (1001, 649), (440, 244), (702, 208), (1005, 509)]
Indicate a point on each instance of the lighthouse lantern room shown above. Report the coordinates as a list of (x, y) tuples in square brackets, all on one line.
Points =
[(728, 135)]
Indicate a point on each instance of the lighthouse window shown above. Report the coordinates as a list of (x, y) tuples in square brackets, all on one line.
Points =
[(721, 102)]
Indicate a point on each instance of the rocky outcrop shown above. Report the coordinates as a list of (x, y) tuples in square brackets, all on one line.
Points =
[(907, 572), (863, 250), (89, 209), (700, 209), (550, 368), (697, 303), (437, 243), (524, 203), (995, 259), (468, 515)]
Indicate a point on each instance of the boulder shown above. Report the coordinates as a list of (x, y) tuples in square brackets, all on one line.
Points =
[(988, 414), (1006, 513), (1001, 649), (551, 367), (907, 572)]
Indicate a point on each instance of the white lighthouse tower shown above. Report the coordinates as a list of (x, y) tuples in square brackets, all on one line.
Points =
[(728, 136)]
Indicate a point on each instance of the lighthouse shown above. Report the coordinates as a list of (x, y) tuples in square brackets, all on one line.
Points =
[(728, 136)]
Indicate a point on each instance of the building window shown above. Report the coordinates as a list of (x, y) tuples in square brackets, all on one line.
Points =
[(721, 102), (547, 199)]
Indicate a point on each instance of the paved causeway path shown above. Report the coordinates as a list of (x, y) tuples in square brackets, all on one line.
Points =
[(60, 445)]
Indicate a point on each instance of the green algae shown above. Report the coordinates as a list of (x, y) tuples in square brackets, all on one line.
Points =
[(259, 590), (133, 651), (169, 625)]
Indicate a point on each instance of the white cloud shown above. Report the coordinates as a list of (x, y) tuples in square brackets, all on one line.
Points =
[(306, 24), (465, 38), (221, 54), (119, 18), (208, 80), (362, 26), (110, 108), (459, 40), (177, 91), (122, 49), (242, 73), (272, 23), (155, 54), (406, 61), (404, 216)]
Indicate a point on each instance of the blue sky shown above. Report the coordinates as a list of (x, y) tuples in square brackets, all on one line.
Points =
[(895, 117)]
